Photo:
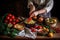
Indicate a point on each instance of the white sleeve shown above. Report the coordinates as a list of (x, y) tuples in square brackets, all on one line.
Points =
[(49, 6)]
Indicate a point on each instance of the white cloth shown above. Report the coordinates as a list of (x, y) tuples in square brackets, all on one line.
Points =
[(27, 33), (21, 33)]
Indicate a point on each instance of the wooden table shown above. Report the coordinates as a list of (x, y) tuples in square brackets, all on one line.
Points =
[(56, 36)]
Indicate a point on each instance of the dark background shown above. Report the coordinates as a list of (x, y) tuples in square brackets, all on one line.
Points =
[(14, 7)]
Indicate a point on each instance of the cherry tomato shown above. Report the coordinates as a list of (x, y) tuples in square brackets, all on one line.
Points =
[(13, 17), (10, 19), (17, 20), (14, 23), (40, 27), (33, 30), (36, 27), (10, 15)]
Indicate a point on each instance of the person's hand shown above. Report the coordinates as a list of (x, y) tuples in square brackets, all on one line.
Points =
[(34, 13)]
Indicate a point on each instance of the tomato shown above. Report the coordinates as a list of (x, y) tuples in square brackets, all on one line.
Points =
[(40, 27), (33, 30), (14, 23), (36, 27), (13, 17), (29, 19), (10, 15), (10, 19), (17, 20)]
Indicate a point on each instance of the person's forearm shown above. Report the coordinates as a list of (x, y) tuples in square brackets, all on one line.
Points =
[(42, 11)]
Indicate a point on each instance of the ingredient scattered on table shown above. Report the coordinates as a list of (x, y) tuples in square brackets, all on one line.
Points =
[(11, 25)]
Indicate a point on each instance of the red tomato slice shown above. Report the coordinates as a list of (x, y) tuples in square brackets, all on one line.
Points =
[(29, 19)]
